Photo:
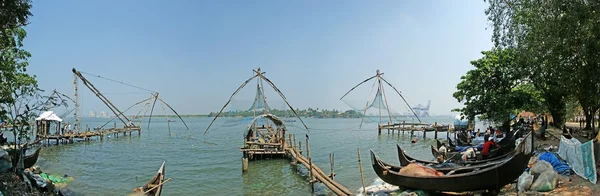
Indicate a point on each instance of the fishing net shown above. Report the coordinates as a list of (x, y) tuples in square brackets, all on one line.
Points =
[(384, 105), (251, 102)]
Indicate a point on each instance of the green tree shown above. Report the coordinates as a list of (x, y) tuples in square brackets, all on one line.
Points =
[(495, 89), (557, 41), (17, 86)]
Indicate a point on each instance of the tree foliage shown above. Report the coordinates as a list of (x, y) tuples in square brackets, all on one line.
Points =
[(17, 86), (557, 42), (495, 89)]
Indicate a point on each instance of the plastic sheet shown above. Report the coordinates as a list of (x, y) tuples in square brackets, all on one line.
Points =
[(546, 182), (524, 181), (540, 167), (559, 166), (579, 156)]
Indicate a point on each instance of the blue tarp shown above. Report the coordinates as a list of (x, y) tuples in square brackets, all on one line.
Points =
[(559, 166)]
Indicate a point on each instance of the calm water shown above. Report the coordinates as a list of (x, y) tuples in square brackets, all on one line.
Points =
[(211, 164)]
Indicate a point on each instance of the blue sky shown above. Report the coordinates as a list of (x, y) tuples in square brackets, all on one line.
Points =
[(196, 53)]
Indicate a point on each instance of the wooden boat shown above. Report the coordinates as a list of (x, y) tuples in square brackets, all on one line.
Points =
[(506, 142), (28, 160), (3, 139), (31, 159), (154, 186), (405, 159), (488, 177)]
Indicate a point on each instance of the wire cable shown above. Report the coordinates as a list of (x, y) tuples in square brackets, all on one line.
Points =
[(118, 82)]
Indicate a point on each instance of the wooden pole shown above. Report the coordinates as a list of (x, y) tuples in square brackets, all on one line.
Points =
[(312, 179), (290, 138), (331, 162), (362, 177), (160, 184), (244, 165), (332, 185)]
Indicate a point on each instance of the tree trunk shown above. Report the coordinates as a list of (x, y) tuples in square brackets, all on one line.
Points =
[(556, 106), (588, 118)]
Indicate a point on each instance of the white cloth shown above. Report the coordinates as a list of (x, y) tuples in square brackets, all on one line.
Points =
[(579, 156), (443, 150), (469, 153)]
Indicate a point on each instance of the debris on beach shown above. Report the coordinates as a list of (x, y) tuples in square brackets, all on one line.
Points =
[(381, 188)]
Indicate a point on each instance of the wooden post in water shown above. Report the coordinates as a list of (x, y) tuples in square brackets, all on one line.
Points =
[(290, 138), (435, 128), (300, 146), (295, 146), (331, 162), (115, 131), (312, 176), (424, 133), (362, 177), (244, 165)]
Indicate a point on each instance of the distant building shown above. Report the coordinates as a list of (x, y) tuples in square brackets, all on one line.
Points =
[(92, 114), (103, 114)]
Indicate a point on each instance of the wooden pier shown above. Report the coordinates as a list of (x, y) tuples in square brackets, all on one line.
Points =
[(42, 134), (294, 153), (316, 174), (412, 127)]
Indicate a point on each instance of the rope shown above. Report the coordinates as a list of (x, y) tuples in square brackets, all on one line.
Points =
[(118, 82)]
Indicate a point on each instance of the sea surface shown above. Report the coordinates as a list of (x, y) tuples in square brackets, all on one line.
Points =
[(210, 164)]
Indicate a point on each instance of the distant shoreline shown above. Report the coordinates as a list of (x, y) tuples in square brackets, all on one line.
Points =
[(250, 116)]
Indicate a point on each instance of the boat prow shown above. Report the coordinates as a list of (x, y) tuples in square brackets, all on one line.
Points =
[(30, 160), (405, 159), (154, 186)]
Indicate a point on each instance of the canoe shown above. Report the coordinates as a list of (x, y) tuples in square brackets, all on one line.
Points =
[(149, 187), (404, 159), (31, 159), (28, 160), (457, 156), (489, 177), (3, 139), (506, 145)]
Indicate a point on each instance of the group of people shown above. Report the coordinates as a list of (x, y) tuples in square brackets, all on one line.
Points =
[(471, 152)]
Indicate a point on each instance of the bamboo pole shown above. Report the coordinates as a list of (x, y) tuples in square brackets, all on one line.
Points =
[(362, 177), (312, 179), (320, 172), (157, 186), (169, 106), (94, 90), (166, 116), (230, 99), (331, 185), (331, 162)]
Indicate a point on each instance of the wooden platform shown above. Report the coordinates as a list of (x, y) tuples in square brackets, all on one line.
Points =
[(292, 150), (317, 175), (87, 135), (415, 127)]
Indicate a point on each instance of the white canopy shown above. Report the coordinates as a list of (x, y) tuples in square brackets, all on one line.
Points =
[(49, 115)]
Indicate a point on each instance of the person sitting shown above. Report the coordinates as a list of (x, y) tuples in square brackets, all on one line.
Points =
[(486, 147), (443, 150), (469, 153)]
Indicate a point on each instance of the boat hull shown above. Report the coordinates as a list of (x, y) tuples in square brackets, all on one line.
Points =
[(486, 177)]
